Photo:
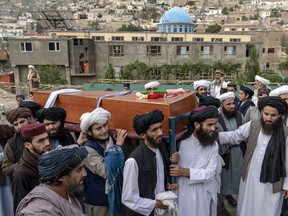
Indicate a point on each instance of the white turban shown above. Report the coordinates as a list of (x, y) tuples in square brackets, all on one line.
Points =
[(97, 116), (226, 95), (31, 66), (279, 91), (198, 83), (262, 80), (152, 85)]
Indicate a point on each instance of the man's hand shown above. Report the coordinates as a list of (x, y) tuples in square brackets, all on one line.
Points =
[(175, 158), (172, 186), (176, 170), (120, 136), (82, 138), (160, 205), (285, 194)]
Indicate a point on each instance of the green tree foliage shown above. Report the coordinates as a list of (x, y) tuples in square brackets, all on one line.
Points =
[(255, 17), (95, 25), (225, 11), (51, 74), (252, 66), (228, 67), (109, 72), (150, 13), (213, 28), (130, 28)]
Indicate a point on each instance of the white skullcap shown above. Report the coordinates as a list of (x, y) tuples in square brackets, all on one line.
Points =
[(31, 66), (198, 83), (97, 116), (153, 84), (226, 95), (279, 91), (262, 80)]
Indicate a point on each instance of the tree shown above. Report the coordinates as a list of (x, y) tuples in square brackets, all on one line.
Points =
[(51, 74), (252, 66), (95, 25), (130, 28), (225, 11), (213, 28), (110, 72)]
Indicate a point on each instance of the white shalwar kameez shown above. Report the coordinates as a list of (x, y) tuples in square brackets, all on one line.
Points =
[(197, 194), (255, 197), (130, 193)]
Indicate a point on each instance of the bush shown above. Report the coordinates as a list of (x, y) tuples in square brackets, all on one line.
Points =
[(51, 74)]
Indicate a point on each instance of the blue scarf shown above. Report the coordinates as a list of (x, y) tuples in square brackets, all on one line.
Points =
[(114, 163)]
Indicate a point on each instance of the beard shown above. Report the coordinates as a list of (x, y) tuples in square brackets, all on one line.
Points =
[(154, 141), (57, 133), (229, 114), (76, 190), (198, 95), (206, 139), (269, 128)]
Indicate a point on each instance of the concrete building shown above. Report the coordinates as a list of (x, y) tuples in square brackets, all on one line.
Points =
[(73, 51)]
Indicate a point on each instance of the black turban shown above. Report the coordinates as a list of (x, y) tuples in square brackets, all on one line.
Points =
[(202, 113), (34, 107), (208, 101), (142, 122), (247, 90), (14, 114), (273, 101), (59, 162), (51, 114)]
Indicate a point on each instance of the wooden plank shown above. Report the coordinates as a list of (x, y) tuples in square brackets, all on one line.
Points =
[(123, 108)]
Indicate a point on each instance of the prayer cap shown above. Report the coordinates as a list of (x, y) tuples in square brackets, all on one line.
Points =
[(262, 80), (14, 114), (151, 85), (232, 85), (31, 66), (97, 116), (226, 96), (209, 100), (247, 90), (219, 71), (126, 85), (59, 162), (275, 102), (200, 114), (279, 91), (198, 83), (142, 122), (51, 114), (32, 130), (34, 107)]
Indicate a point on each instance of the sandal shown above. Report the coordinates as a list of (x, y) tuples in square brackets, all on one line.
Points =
[(231, 200)]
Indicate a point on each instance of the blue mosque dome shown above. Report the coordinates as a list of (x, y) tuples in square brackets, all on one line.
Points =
[(176, 20), (176, 15)]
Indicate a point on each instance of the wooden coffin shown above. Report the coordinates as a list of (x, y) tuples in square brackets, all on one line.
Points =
[(122, 108)]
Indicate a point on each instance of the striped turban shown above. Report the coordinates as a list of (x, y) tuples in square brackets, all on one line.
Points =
[(14, 114)]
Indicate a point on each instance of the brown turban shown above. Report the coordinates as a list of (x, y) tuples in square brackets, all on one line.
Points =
[(51, 114), (142, 122), (14, 114)]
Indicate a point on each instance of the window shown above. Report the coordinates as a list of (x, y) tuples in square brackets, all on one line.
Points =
[(155, 39), (98, 38), (116, 50), (271, 50), (117, 38), (207, 50), (216, 39), (137, 38), (235, 39), (182, 50), (177, 39), (154, 50), (230, 50), (26, 47), (198, 39), (53, 46), (263, 50)]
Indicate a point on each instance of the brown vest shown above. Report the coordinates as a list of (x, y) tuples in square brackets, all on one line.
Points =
[(255, 127)]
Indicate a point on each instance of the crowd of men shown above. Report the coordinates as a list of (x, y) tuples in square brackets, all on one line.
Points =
[(234, 149)]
